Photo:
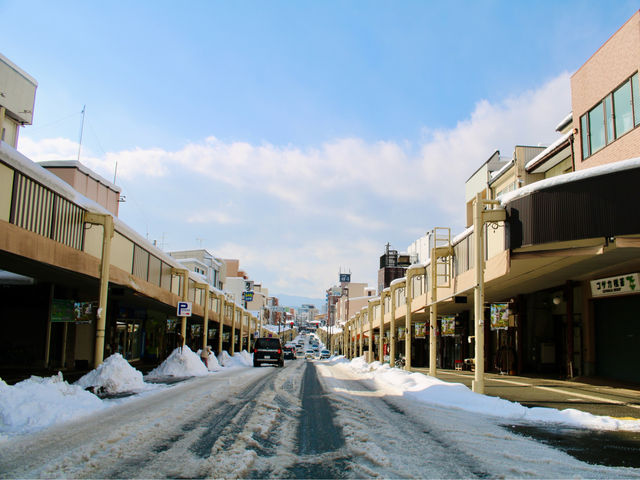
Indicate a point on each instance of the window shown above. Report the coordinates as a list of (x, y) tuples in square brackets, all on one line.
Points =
[(608, 111), (636, 98), (596, 128), (623, 108), (615, 115), (585, 137)]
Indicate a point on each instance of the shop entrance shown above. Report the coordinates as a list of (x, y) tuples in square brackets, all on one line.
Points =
[(617, 322)]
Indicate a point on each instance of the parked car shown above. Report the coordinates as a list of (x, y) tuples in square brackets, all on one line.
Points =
[(268, 350), (324, 354), (289, 352)]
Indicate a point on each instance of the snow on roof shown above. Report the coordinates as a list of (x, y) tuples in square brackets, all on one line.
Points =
[(461, 236), (398, 281), (559, 141), (418, 266), (571, 177), (496, 174), (565, 121), (32, 169)]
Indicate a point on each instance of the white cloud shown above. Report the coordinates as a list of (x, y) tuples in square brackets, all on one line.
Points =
[(213, 216), (337, 183)]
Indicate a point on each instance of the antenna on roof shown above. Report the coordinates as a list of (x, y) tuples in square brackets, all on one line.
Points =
[(84, 107)]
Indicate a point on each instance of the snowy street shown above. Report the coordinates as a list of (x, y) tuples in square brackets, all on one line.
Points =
[(327, 419)]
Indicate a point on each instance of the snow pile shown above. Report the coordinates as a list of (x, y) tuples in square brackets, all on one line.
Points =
[(181, 363), (39, 402), (245, 358), (225, 359), (426, 389), (242, 359), (114, 375), (212, 362)]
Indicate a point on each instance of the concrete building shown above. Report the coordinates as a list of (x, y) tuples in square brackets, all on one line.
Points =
[(204, 263), (17, 100)]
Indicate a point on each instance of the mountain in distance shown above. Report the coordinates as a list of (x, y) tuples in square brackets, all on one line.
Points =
[(296, 301)]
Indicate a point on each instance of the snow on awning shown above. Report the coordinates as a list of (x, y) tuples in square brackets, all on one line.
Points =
[(538, 159), (571, 177)]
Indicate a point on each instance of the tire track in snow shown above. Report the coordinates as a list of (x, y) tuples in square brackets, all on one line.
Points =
[(385, 440)]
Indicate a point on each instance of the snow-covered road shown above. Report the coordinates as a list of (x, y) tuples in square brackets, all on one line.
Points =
[(321, 419)]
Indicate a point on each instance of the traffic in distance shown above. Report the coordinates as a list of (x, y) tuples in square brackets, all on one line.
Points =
[(270, 351)]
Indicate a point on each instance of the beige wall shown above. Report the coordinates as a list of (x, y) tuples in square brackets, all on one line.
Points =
[(6, 187), (122, 252), (565, 166), (89, 187), (93, 240), (9, 132), (232, 267), (612, 64)]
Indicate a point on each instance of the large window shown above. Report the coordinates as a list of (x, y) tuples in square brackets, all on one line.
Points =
[(615, 115)]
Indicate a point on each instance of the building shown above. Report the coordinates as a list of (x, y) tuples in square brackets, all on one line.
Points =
[(79, 283), (204, 263), (17, 100), (545, 279), (392, 265)]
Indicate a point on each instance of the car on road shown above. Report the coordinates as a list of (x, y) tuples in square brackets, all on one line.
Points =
[(309, 354), (324, 354), (289, 352), (268, 350)]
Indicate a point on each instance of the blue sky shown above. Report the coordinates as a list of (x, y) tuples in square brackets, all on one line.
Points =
[(299, 137)]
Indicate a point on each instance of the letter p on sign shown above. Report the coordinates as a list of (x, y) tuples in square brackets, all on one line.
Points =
[(184, 309)]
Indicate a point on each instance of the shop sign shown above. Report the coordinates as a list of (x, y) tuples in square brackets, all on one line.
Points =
[(499, 316), (421, 329), (70, 311), (448, 326), (621, 284), (401, 333)]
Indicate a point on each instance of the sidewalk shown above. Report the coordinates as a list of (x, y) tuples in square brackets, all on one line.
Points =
[(599, 397)]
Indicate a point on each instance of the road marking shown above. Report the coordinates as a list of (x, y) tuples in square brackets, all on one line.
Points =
[(588, 397), (557, 390)]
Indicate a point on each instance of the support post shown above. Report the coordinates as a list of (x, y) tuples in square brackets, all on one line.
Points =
[(185, 298), (478, 296), (360, 317), (233, 329), (205, 322), (381, 336), (105, 262), (392, 328), (222, 307), (370, 318), (242, 319), (407, 321), (433, 315)]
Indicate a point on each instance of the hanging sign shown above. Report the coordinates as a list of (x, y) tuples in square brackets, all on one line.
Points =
[(448, 325), (499, 316), (618, 285), (401, 333), (421, 329)]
